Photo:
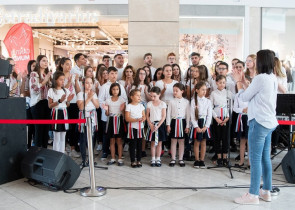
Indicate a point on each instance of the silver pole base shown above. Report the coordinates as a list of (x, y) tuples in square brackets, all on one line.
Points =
[(97, 192)]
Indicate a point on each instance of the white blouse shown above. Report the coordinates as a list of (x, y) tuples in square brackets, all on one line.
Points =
[(219, 102), (135, 113), (262, 97), (239, 105), (156, 111), (168, 95), (205, 111), (114, 106), (178, 108), (55, 95)]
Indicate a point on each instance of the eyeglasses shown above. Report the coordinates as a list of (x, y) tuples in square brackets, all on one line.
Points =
[(222, 69), (249, 61)]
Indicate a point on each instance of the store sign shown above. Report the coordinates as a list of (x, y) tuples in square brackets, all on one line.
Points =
[(20, 45), (44, 15)]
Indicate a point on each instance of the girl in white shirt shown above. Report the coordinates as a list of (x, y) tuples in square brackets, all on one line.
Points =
[(58, 100), (241, 127), (166, 84), (115, 107), (220, 114), (73, 85), (177, 73), (141, 83), (281, 77), (135, 116), (128, 78), (178, 122), (191, 83), (156, 115), (201, 116), (90, 105)]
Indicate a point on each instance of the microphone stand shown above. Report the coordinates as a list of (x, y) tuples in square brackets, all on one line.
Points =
[(229, 166)]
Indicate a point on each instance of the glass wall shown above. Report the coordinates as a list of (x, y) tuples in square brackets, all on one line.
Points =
[(278, 34)]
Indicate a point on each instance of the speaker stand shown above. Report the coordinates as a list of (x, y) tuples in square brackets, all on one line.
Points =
[(93, 190)]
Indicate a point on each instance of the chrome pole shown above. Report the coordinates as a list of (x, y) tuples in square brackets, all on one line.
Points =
[(93, 191)]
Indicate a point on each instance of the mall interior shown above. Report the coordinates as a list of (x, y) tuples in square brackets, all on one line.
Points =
[(216, 29)]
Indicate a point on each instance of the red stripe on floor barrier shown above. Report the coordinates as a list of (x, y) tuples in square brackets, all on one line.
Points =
[(4, 121)]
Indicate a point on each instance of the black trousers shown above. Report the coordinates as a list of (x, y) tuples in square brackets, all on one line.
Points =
[(41, 111), (135, 144), (72, 134), (31, 128), (220, 138)]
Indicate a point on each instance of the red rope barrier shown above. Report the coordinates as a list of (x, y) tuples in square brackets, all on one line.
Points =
[(283, 122), (4, 121)]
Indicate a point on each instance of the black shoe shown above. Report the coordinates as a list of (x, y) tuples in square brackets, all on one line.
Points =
[(219, 162), (181, 163), (158, 163), (237, 158), (239, 166), (197, 164), (139, 164), (143, 154), (225, 162), (84, 164), (172, 163), (111, 162), (202, 164), (153, 163), (274, 151), (133, 165)]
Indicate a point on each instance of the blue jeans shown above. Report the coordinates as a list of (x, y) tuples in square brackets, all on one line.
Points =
[(259, 140)]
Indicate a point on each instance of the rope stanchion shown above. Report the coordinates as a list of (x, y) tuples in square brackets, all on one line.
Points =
[(9, 121)]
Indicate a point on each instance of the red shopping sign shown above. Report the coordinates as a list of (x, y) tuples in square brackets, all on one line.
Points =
[(20, 45)]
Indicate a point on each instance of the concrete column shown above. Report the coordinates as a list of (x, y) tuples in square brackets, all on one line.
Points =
[(254, 30), (153, 27)]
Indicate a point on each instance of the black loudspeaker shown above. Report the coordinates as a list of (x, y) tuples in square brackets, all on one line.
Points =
[(4, 90), (288, 166), (52, 168), (13, 139)]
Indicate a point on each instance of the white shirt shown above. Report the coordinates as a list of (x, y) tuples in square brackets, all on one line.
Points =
[(120, 72), (219, 100), (230, 84), (239, 105), (135, 113), (153, 71), (104, 94), (262, 97), (88, 107), (156, 111), (55, 95), (77, 70), (168, 95), (72, 88), (205, 111), (142, 92), (178, 108), (114, 106), (283, 81)]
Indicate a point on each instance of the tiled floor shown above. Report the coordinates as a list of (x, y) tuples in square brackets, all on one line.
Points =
[(20, 195)]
